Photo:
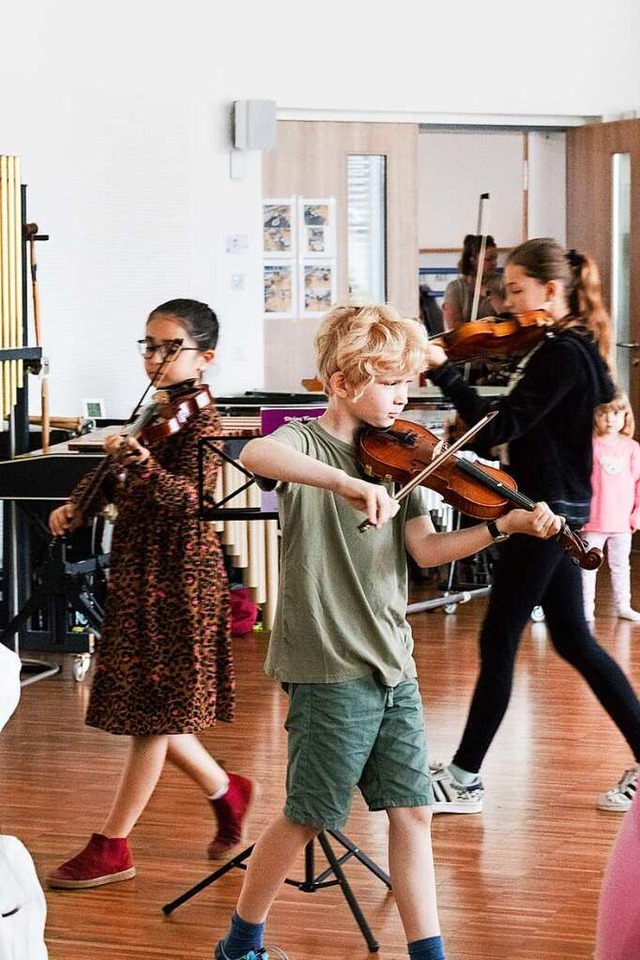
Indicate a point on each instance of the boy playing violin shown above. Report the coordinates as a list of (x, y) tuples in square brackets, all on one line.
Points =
[(341, 644)]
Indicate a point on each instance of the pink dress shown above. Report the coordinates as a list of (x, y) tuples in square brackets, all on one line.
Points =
[(615, 482)]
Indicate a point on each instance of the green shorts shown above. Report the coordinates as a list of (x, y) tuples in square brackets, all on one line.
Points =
[(354, 734)]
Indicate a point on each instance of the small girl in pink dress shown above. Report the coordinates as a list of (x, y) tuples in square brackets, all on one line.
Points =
[(615, 507)]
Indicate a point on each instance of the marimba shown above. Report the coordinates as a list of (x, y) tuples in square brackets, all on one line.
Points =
[(250, 543)]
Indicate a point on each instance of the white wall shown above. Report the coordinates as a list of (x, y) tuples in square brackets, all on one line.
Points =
[(123, 132), (454, 169), (120, 111), (459, 57), (547, 186)]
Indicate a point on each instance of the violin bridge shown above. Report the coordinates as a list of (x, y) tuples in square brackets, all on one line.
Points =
[(439, 448)]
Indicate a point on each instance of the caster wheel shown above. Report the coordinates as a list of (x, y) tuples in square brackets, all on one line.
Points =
[(450, 607), (80, 666), (537, 615)]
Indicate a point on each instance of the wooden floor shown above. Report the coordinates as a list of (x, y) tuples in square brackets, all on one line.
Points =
[(519, 881)]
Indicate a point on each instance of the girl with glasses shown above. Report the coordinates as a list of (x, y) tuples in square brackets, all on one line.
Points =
[(164, 669)]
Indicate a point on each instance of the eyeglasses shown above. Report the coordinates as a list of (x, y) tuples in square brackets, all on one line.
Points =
[(168, 349)]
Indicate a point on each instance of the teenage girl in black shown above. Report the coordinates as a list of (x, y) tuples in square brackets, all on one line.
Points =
[(547, 421)]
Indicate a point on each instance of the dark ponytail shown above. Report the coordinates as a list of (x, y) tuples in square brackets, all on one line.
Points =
[(543, 259)]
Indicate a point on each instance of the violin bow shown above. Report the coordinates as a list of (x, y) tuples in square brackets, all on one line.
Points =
[(446, 453), (155, 380), (482, 233)]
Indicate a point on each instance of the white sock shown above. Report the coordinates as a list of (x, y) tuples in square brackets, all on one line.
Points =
[(219, 793), (462, 776)]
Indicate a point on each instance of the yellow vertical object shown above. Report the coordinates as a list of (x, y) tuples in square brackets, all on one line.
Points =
[(17, 268), (229, 533), (256, 575), (4, 276), (272, 564), (11, 371), (218, 494), (235, 537), (11, 207)]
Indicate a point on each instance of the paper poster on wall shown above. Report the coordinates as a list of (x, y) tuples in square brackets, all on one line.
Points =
[(279, 284), (279, 227), (299, 246), (317, 227), (317, 286)]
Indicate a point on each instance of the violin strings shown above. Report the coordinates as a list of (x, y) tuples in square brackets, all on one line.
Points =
[(447, 453)]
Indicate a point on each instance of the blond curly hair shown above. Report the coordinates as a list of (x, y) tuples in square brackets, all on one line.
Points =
[(368, 342)]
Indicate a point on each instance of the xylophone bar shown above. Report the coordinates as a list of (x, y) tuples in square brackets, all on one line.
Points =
[(251, 545)]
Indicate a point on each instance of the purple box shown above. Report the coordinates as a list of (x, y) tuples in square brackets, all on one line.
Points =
[(273, 417)]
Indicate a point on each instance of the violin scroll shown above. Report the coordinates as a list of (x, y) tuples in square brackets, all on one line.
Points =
[(171, 415), (161, 418), (588, 558)]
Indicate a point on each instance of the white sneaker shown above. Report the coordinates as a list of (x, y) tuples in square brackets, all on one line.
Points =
[(626, 613), (453, 797), (620, 797)]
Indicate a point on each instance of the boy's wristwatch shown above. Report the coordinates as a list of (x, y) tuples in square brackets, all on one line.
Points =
[(496, 534)]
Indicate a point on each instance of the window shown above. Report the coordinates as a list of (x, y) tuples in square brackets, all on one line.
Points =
[(366, 211)]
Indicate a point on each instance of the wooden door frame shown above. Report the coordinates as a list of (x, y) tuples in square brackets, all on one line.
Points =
[(589, 210)]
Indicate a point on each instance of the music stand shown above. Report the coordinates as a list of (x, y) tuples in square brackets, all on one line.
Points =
[(312, 882)]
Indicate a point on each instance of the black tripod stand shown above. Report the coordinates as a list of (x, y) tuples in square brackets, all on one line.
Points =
[(312, 881), (61, 584)]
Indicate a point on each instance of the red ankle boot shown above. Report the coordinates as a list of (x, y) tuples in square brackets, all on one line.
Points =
[(231, 811), (103, 860)]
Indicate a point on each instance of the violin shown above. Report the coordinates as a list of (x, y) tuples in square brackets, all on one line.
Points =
[(163, 417), (479, 491), (494, 336), (170, 416)]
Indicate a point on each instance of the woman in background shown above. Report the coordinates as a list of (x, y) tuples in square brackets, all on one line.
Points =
[(458, 297)]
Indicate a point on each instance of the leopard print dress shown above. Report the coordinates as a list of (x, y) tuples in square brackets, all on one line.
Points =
[(164, 659)]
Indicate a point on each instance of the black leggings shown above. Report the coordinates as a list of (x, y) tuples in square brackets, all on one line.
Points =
[(532, 572)]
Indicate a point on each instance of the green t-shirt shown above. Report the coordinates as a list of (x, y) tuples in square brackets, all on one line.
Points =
[(342, 601)]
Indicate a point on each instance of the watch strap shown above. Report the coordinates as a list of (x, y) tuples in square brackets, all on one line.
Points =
[(496, 534)]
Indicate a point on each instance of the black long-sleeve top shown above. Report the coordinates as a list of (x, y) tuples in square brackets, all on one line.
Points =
[(547, 420)]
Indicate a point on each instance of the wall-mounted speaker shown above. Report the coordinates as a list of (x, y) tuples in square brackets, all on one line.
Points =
[(254, 125)]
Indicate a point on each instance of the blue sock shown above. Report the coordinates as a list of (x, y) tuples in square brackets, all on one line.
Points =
[(430, 949), (242, 938)]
